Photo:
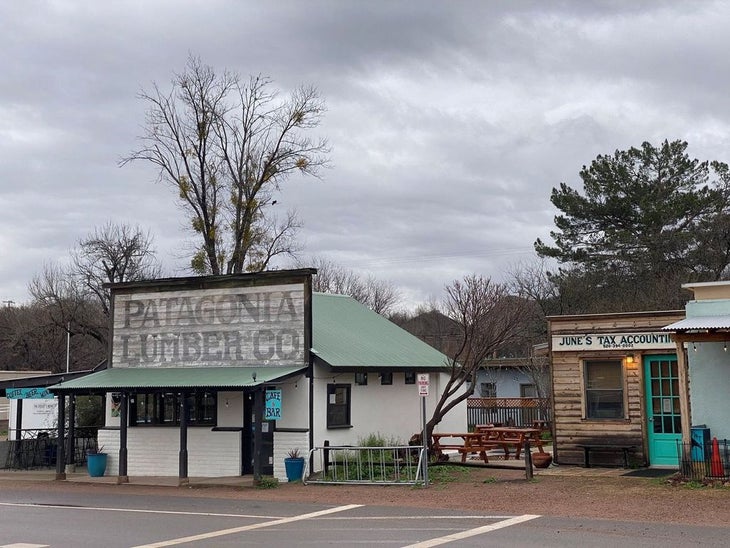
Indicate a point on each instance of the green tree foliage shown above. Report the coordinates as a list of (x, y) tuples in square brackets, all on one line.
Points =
[(648, 220), (225, 146)]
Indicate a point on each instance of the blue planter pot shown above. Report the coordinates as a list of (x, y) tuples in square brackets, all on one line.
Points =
[(294, 469), (96, 464)]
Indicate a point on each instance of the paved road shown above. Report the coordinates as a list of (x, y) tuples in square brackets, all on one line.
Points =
[(35, 519)]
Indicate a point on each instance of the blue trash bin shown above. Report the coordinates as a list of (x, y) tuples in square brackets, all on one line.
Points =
[(700, 441)]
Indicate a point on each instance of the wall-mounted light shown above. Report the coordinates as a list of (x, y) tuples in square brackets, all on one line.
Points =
[(694, 347), (724, 346)]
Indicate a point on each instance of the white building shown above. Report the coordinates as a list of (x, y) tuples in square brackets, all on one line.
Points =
[(194, 361)]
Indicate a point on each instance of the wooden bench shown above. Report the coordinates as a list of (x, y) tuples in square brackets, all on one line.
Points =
[(605, 446)]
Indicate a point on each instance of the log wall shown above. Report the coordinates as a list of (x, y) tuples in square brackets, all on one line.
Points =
[(571, 428)]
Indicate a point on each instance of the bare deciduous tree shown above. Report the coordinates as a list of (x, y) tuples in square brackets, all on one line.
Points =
[(30, 340), (378, 295), (225, 146), (114, 253), (488, 317), (75, 297)]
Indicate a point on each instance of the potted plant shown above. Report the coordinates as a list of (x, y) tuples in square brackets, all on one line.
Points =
[(96, 461), (542, 460), (294, 464)]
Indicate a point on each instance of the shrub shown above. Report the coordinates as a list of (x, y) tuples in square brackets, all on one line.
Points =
[(267, 482), (378, 440)]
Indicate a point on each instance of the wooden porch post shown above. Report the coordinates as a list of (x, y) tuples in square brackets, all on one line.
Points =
[(60, 452), (71, 444), (123, 414), (257, 437), (183, 459), (684, 408)]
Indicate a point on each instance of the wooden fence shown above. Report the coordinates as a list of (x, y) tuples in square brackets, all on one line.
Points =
[(522, 412)]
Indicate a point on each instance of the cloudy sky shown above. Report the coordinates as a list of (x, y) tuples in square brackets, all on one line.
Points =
[(450, 122)]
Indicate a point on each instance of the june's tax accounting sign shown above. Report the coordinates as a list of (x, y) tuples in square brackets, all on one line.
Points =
[(422, 380)]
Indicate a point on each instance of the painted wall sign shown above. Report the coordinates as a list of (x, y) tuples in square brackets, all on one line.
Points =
[(610, 341), (272, 409), (237, 326), (28, 394)]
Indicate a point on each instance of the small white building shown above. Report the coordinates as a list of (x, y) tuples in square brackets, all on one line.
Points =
[(223, 375)]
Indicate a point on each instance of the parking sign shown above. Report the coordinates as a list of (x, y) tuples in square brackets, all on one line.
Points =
[(423, 381)]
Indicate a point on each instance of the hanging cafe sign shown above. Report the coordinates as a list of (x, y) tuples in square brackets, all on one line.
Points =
[(612, 341)]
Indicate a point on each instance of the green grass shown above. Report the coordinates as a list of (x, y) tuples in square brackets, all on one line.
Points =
[(447, 474), (267, 482)]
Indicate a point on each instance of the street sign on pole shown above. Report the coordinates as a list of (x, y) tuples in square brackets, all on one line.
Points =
[(423, 381)]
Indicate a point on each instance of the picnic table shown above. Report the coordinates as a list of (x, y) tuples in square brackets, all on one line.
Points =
[(463, 442), (485, 438), (510, 437)]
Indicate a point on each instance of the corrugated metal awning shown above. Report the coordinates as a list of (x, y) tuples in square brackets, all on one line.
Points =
[(138, 378), (699, 323)]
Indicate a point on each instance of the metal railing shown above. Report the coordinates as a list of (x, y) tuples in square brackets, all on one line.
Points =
[(396, 465), (710, 460), (38, 448)]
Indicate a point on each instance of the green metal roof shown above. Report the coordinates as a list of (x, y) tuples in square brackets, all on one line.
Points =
[(119, 378), (348, 334)]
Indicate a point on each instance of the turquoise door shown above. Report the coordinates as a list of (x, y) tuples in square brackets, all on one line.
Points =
[(662, 401)]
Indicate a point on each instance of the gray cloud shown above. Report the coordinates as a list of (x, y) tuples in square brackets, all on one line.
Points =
[(450, 122)]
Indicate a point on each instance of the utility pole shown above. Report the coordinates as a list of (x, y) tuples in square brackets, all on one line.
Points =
[(68, 346)]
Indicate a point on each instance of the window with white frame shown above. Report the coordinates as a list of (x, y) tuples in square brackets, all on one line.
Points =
[(528, 391)]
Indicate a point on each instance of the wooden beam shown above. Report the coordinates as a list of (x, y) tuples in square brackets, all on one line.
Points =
[(684, 409)]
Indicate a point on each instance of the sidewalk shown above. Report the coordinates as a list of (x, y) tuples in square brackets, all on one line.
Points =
[(81, 475)]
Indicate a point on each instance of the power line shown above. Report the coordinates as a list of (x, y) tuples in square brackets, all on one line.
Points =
[(406, 259)]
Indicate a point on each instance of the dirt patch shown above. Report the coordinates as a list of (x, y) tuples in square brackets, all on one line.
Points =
[(484, 490)]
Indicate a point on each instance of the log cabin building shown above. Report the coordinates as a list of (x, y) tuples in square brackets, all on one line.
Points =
[(619, 395)]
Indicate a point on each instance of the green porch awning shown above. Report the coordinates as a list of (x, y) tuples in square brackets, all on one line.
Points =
[(223, 378)]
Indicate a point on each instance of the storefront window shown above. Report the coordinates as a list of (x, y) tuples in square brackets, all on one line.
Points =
[(604, 389), (154, 408), (338, 406)]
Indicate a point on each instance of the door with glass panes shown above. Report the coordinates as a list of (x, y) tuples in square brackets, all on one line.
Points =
[(661, 376)]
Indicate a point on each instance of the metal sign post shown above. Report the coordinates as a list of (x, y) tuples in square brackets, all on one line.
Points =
[(423, 385)]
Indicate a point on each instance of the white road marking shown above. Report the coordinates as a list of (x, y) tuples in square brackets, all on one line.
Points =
[(473, 532), (233, 530), (134, 511), (404, 518), (24, 545)]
